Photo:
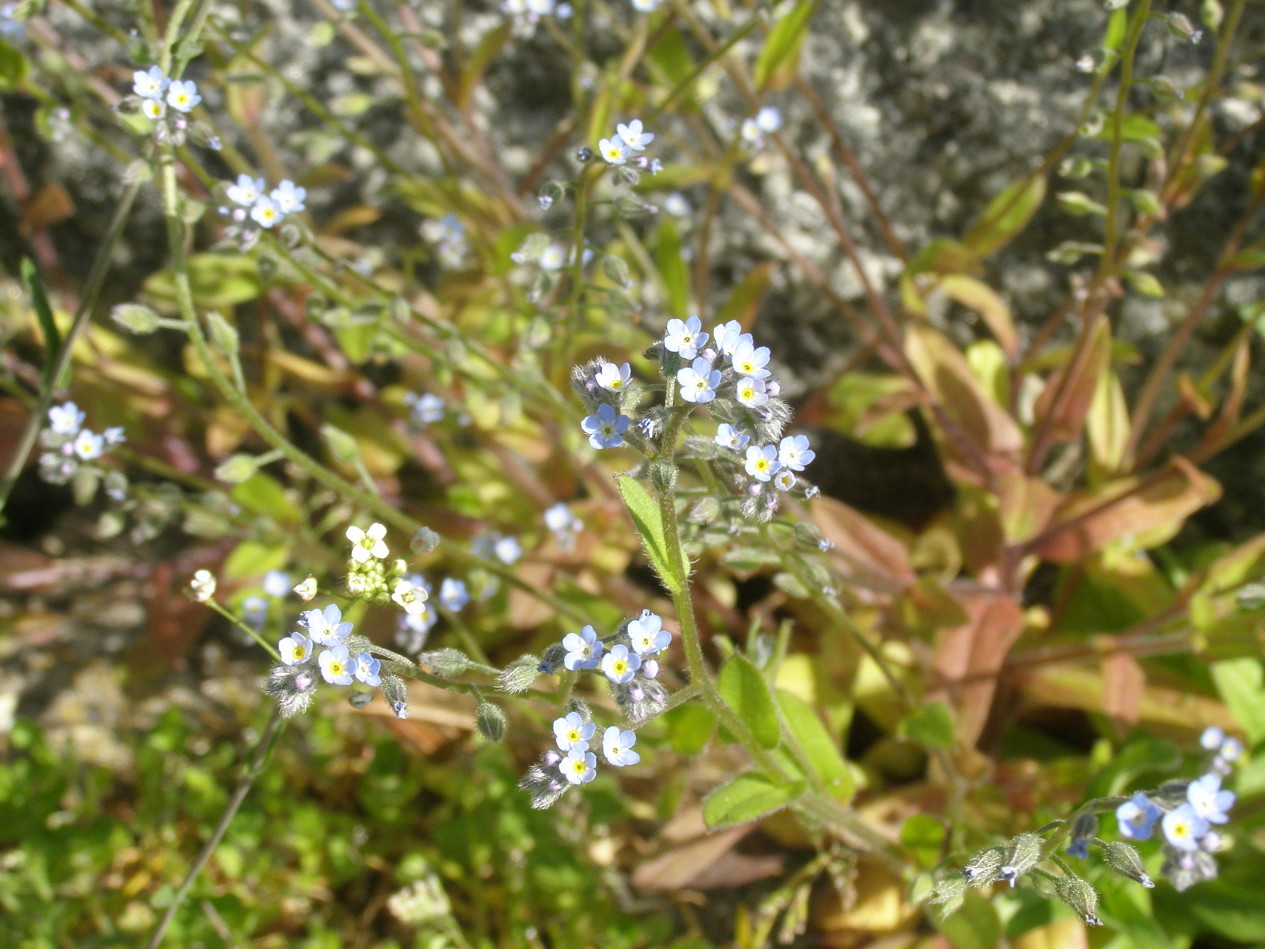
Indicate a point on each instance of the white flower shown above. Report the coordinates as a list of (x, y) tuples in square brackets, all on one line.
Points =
[(89, 445), (150, 83), (768, 119), (182, 95), (793, 452), (613, 151), (246, 191), (633, 136), (727, 436), (553, 257), (306, 590), (750, 392), (153, 109), (617, 747), (762, 463), (612, 377), (264, 212), (645, 6), (203, 585), (410, 597), (684, 337), (366, 544), (65, 419), (289, 197)]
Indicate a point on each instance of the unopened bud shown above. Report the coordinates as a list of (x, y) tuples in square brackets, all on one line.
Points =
[(307, 589), (1125, 860), (519, 675), (663, 477), (135, 317), (490, 721), (446, 663), (983, 867), (1023, 855), (359, 700), (396, 694), (1081, 897)]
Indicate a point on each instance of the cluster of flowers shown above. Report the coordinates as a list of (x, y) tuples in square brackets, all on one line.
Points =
[(1186, 813), (628, 662), (69, 446), (732, 378), (253, 209), (765, 122), (564, 525), (166, 103)]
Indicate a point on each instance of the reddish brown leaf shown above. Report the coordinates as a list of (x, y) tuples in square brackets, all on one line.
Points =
[(969, 657), (1063, 404), (1154, 506), (1123, 685), (867, 550)]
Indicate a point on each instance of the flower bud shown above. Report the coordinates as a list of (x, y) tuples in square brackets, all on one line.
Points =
[(519, 675), (424, 541), (1023, 855), (1125, 860), (983, 867), (202, 586), (359, 700), (135, 317), (307, 589), (1080, 896), (490, 721), (445, 663), (396, 694), (663, 477)]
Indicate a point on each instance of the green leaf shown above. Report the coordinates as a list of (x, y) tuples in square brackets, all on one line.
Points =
[(263, 495), (44, 314), (923, 835), (13, 67), (690, 726), (744, 690), (1240, 683), (748, 797), (251, 558), (778, 61), (218, 281), (672, 269), (930, 725), (649, 524), (1005, 216), (819, 748), (974, 926)]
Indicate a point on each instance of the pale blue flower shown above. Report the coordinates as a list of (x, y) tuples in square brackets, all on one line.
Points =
[(684, 337), (1212, 737), (583, 649), (246, 191), (1208, 800), (784, 480), (617, 747), (648, 635), (613, 151), (426, 408), (698, 381), (453, 594), (559, 519), (612, 377), (368, 669), (507, 550), (579, 766), (277, 584), (572, 731), (751, 392), (182, 95), (289, 197), (633, 136), (113, 436), (619, 665), (65, 419), (762, 463), (337, 666), (728, 436), (88, 445), (326, 627), (727, 336), (150, 83), (1137, 817), (1183, 827), (265, 212), (606, 428), (751, 360), (295, 649), (794, 453)]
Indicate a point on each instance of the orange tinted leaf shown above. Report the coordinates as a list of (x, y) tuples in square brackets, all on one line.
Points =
[(1123, 685), (1154, 506), (1064, 403), (944, 371), (980, 298)]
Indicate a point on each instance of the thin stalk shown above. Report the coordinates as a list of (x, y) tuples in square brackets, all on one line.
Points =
[(262, 751), (92, 289)]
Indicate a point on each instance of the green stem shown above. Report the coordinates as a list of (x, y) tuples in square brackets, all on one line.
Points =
[(262, 751)]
